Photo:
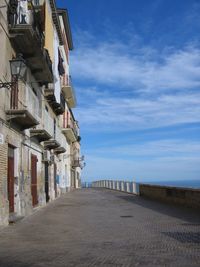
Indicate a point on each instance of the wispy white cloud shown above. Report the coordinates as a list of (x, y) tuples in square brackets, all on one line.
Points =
[(138, 68), (157, 149), (150, 88), (125, 114)]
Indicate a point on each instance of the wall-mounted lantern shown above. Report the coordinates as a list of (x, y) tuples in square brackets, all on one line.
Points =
[(17, 69)]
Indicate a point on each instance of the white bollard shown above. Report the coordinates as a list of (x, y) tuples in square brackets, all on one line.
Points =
[(122, 186), (117, 185), (113, 185), (136, 188)]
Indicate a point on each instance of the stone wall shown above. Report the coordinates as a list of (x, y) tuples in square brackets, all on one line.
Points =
[(173, 195)]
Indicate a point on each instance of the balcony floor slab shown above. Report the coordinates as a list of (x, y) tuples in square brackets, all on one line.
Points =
[(51, 144), (21, 117), (59, 150), (69, 134), (40, 134)]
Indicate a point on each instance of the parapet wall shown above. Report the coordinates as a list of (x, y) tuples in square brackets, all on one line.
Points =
[(174, 195)]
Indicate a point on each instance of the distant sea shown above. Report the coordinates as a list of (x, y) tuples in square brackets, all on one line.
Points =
[(177, 183)]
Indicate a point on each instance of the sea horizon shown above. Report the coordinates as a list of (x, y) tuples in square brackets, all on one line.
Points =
[(176, 183)]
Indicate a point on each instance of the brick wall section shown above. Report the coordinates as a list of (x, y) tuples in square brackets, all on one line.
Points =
[(173, 195), (3, 185), (3, 168)]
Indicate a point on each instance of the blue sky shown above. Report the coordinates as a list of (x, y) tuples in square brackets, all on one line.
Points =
[(136, 73)]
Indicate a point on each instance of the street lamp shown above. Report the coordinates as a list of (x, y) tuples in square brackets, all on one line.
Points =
[(18, 69)]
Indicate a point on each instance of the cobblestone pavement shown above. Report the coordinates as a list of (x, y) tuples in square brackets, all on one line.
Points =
[(103, 228)]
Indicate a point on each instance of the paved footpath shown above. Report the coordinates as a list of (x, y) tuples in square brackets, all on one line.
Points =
[(103, 228)]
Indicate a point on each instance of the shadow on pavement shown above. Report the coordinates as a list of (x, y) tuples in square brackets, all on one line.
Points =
[(180, 212), (185, 237)]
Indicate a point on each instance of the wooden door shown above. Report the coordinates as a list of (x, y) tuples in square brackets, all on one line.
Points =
[(11, 179), (55, 174), (47, 181), (34, 180)]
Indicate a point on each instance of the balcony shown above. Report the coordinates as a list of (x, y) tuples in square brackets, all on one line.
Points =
[(27, 38), (70, 133), (56, 143), (78, 162), (60, 137), (45, 130), (51, 144), (69, 94), (70, 128), (57, 106), (24, 112)]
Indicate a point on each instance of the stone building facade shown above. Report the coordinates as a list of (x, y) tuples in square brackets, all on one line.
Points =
[(39, 136)]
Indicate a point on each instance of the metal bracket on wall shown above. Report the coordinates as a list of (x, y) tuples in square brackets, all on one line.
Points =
[(6, 85)]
